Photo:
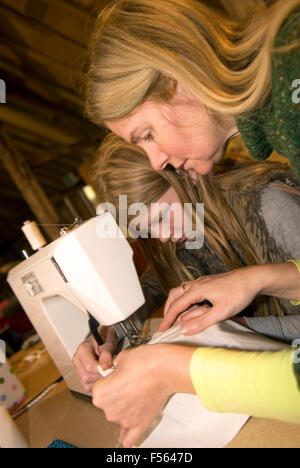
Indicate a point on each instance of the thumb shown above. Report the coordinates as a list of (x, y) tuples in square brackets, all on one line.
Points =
[(106, 360), (131, 436)]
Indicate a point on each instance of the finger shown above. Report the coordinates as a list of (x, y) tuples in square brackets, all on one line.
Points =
[(197, 312), (173, 295), (186, 300), (106, 360), (87, 380), (202, 322), (132, 436), (88, 360), (109, 338), (123, 432), (182, 316), (179, 306)]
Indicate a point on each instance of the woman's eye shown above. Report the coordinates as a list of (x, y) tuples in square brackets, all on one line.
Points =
[(148, 137)]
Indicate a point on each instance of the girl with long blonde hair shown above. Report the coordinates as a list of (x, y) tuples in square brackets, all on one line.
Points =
[(234, 230), (180, 80), (238, 198)]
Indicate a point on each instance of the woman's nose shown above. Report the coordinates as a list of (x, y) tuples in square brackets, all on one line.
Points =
[(158, 160)]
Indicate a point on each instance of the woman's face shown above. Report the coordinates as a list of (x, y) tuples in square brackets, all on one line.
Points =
[(180, 133), (166, 220)]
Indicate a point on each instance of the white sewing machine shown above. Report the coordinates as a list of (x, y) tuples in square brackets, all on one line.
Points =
[(89, 270)]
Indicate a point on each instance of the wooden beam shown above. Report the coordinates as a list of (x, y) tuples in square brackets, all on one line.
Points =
[(38, 153), (26, 182), (34, 124), (40, 86), (39, 38), (57, 16), (57, 72)]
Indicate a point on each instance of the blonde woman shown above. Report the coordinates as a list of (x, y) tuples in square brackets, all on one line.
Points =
[(180, 80), (121, 169)]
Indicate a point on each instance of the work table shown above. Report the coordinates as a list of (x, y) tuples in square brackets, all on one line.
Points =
[(59, 415)]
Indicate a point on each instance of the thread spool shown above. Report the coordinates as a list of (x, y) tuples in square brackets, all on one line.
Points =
[(34, 235)]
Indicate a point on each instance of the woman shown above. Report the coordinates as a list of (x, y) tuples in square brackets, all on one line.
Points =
[(180, 80), (162, 70), (121, 169)]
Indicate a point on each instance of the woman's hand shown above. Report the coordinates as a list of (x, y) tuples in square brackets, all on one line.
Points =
[(138, 389), (229, 293), (89, 355)]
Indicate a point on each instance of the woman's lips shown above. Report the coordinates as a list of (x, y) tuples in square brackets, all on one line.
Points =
[(183, 239), (187, 166)]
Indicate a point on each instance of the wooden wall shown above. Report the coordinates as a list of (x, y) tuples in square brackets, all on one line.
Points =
[(43, 134)]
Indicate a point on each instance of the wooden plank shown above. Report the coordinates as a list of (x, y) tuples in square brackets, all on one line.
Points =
[(35, 125), (92, 4), (53, 114), (38, 38), (62, 74), (63, 17), (13, 72), (19, 134), (11, 195), (31, 190)]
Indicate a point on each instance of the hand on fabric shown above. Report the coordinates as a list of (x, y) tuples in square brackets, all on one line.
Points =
[(89, 355), (229, 294), (144, 378)]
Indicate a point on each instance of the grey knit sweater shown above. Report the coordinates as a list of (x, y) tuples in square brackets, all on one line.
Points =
[(280, 212)]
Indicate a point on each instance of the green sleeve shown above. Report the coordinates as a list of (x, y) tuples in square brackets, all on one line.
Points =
[(261, 384), (286, 93)]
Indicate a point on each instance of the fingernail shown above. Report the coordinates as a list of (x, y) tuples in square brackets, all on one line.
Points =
[(107, 365)]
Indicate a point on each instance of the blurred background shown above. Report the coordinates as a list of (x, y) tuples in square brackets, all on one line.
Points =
[(46, 145)]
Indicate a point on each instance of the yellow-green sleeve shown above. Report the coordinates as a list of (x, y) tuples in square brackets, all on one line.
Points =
[(261, 384), (297, 263)]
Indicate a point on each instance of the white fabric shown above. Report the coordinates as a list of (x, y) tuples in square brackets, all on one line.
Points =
[(185, 422)]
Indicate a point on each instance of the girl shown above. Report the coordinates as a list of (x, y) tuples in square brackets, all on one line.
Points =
[(121, 169)]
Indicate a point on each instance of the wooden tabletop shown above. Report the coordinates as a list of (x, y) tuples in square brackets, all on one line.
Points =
[(60, 415)]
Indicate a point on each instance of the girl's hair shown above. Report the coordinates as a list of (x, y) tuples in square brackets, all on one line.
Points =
[(141, 49), (121, 168)]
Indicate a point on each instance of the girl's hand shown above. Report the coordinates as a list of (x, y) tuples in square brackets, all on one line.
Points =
[(89, 355)]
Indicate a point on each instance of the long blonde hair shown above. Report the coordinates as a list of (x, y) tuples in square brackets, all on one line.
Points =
[(141, 49), (121, 168)]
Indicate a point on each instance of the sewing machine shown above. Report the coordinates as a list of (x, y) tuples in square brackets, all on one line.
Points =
[(89, 271)]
